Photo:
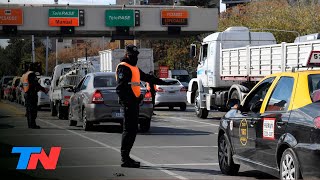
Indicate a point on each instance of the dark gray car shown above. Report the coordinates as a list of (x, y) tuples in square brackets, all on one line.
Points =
[(95, 100)]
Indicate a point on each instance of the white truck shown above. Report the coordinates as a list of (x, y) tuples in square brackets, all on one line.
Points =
[(58, 95), (233, 61), (109, 59)]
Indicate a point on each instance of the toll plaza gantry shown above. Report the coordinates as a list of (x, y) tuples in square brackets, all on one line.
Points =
[(118, 22)]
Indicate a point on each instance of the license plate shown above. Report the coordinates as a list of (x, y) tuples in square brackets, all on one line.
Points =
[(171, 91), (118, 114)]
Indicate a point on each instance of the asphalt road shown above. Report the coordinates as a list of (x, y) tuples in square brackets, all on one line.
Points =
[(178, 146)]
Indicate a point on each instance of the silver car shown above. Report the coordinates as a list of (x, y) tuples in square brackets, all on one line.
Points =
[(95, 100), (171, 95)]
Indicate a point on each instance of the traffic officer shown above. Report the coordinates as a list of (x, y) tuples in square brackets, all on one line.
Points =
[(31, 87), (128, 77)]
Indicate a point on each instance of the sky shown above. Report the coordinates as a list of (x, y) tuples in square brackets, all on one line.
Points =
[(3, 42)]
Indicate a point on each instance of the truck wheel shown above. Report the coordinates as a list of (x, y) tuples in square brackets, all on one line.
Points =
[(235, 95), (53, 109), (85, 123), (145, 125), (200, 112), (226, 163)]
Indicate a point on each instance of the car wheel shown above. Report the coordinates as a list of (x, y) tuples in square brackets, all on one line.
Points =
[(53, 109), (85, 123), (183, 107), (289, 165), (226, 163), (200, 112), (145, 125), (171, 108)]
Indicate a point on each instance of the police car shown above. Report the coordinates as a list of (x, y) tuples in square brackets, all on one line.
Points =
[(276, 128)]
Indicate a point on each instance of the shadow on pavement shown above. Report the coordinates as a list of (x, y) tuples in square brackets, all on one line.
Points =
[(253, 173)]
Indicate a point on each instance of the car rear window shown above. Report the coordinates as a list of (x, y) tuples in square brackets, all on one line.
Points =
[(314, 87), (172, 80), (104, 81)]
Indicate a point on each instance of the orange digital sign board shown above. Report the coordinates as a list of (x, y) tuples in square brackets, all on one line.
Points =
[(171, 17), (11, 17)]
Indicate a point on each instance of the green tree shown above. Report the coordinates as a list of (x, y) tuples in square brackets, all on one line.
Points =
[(274, 14)]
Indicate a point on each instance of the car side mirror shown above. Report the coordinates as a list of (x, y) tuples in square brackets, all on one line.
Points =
[(233, 103), (255, 107)]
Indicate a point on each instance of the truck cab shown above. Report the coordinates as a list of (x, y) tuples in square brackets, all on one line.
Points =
[(209, 90)]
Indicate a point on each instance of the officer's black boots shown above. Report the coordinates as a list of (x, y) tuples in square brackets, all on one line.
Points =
[(130, 164), (127, 161)]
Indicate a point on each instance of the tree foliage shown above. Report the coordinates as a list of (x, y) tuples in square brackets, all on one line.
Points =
[(274, 14)]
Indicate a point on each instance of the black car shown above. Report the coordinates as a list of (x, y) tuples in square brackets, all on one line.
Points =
[(276, 129)]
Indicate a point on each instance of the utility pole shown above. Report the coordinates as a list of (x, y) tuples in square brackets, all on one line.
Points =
[(47, 54), (33, 53)]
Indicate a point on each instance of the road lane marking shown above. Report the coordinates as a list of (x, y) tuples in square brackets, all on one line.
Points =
[(143, 147), (153, 165), (118, 150), (182, 119)]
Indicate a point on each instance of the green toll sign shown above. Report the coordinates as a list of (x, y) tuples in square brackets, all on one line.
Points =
[(116, 18)]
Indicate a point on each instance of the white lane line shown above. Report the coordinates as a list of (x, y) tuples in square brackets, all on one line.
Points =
[(177, 126), (182, 119), (118, 150), (153, 165), (142, 147), (173, 133)]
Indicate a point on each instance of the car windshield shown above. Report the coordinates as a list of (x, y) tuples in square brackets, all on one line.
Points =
[(314, 87), (172, 80), (182, 78), (104, 81)]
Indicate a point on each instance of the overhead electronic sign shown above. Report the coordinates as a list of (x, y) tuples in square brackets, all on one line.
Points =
[(11, 17), (66, 17), (118, 18), (172, 17)]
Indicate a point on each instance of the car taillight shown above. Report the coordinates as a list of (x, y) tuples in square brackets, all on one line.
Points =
[(147, 98), (159, 89), (97, 97), (66, 97), (183, 89), (66, 102), (316, 122)]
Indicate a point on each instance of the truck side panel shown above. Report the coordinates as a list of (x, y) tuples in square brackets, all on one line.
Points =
[(259, 61)]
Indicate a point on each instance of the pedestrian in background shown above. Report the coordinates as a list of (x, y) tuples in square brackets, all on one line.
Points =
[(31, 87), (128, 77)]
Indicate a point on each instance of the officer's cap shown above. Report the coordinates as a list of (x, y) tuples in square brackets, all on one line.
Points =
[(132, 49)]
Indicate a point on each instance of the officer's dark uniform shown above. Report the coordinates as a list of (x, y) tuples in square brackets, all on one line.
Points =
[(129, 100), (31, 87)]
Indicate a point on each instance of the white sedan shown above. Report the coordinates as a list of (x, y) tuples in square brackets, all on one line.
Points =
[(171, 95)]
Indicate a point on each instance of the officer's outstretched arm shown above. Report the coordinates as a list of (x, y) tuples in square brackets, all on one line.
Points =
[(152, 79)]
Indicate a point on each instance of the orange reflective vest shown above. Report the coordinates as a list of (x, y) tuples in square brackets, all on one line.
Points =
[(25, 82), (135, 78)]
